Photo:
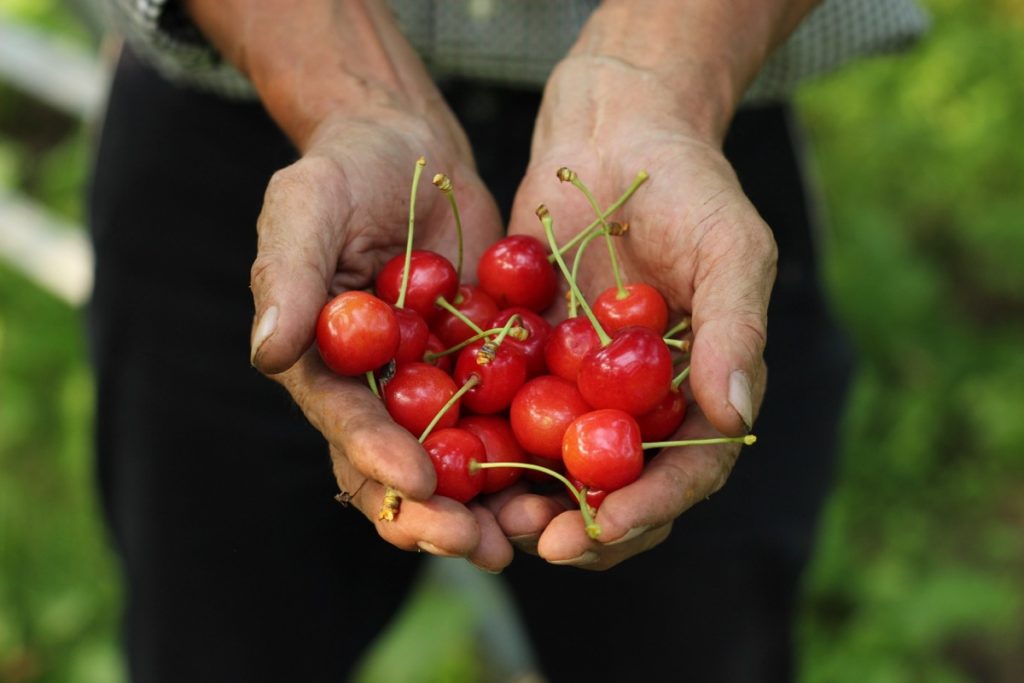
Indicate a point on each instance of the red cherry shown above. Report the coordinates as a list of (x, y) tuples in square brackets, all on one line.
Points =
[(594, 496), (542, 410), (602, 449), (451, 450), (413, 335), (500, 445), (515, 271), (435, 345), (643, 305), (415, 394), (664, 419), (356, 332), (472, 302), (500, 379), (430, 276), (532, 347), (568, 343), (632, 373)]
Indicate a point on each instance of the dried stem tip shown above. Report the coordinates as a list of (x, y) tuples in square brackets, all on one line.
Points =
[(443, 182), (566, 175), (618, 229), (542, 212), (389, 507)]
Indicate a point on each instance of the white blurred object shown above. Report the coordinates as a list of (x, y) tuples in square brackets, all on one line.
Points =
[(48, 249)]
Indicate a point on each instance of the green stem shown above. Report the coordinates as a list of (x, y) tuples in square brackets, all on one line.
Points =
[(470, 383), (747, 440), (681, 344), (443, 303), (372, 381), (420, 163), (545, 218), (428, 357), (570, 175), (681, 326), (576, 267), (444, 183), (678, 380), (593, 529), (640, 179), (489, 350)]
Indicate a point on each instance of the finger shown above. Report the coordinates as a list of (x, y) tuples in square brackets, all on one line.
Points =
[(671, 483), (356, 422), (440, 525), (732, 285), (299, 232), (494, 552), (524, 517), (565, 542)]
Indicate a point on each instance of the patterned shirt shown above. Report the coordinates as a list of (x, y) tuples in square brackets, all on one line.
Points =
[(518, 43)]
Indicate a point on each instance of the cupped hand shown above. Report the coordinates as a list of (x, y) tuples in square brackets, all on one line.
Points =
[(329, 223), (695, 237)]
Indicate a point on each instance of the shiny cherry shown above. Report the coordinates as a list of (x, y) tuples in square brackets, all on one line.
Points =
[(542, 410), (415, 394), (642, 305), (430, 276), (664, 419), (500, 378), (413, 335), (602, 449), (515, 271), (356, 333), (568, 343), (633, 372), (532, 347), (500, 445), (451, 450), (472, 302)]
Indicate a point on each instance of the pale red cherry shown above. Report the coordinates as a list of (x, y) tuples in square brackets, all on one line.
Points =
[(356, 333), (641, 305)]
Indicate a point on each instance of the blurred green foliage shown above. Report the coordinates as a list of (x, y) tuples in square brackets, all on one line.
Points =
[(919, 573)]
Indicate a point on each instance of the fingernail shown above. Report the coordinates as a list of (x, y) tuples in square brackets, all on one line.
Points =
[(629, 535), (484, 569), (589, 557), (428, 547), (739, 397), (527, 542), (265, 328)]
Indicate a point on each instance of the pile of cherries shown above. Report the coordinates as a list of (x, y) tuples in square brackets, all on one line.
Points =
[(491, 388)]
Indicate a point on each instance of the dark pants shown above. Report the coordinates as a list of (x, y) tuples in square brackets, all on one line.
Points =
[(239, 566)]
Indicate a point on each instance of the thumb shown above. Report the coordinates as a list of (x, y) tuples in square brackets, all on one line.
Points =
[(296, 258), (735, 273)]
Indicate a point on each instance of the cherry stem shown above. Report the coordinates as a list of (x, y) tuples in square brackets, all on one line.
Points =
[(593, 529), (549, 231), (569, 175), (489, 350), (747, 440), (681, 344), (640, 179), (389, 506), (372, 381), (520, 333), (420, 163), (443, 303), (678, 380), (444, 183), (681, 326), (576, 267), (470, 383)]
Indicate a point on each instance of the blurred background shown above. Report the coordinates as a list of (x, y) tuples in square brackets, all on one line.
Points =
[(919, 571)]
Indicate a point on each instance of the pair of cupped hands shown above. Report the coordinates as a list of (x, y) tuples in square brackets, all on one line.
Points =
[(331, 220)]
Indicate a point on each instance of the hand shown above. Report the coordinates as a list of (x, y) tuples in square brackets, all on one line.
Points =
[(329, 222), (696, 238)]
